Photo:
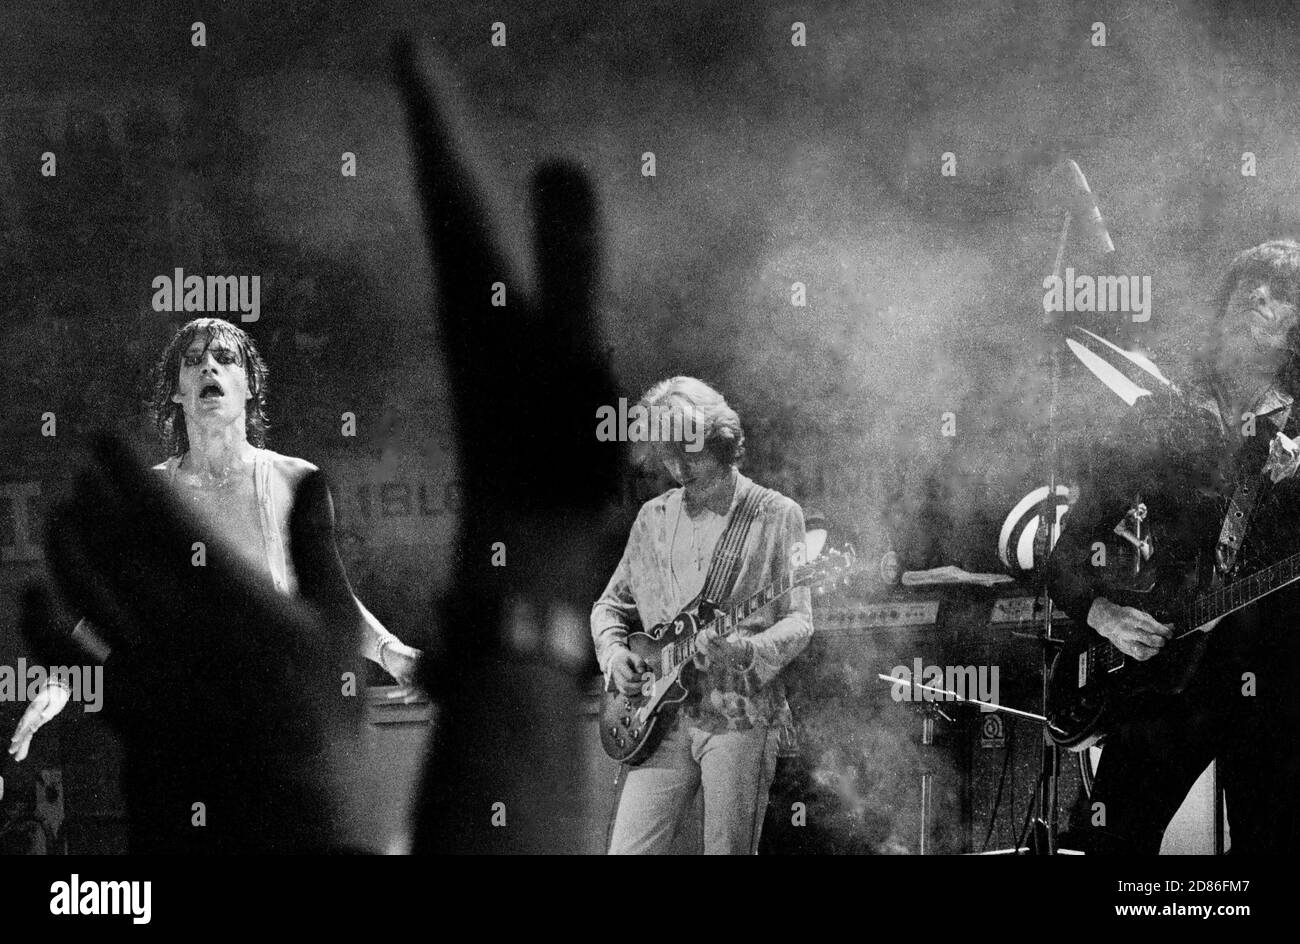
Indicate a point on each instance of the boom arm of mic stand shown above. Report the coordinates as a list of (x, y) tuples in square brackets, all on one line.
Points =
[(957, 697)]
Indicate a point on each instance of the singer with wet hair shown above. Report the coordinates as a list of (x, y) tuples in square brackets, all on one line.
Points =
[(209, 406)]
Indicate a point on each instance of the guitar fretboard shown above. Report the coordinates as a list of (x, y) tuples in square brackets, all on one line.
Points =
[(728, 618), (1212, 604), (1221, 601)]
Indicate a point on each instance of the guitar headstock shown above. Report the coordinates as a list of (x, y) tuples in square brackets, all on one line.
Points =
[(829, 570)]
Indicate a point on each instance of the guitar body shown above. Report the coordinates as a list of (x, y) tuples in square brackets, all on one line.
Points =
[(631, 726), (1092, 685)]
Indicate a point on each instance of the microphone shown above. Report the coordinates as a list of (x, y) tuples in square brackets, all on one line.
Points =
[(1084, 205)]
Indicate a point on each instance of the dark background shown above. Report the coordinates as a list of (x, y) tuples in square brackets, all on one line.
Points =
[(775, 164)]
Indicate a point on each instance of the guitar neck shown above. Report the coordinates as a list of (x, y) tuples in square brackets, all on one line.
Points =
[(1214, 604), (732, 616)]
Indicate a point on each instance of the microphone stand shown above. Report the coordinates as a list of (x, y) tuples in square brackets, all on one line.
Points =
[(928, 708), (1045, 825)]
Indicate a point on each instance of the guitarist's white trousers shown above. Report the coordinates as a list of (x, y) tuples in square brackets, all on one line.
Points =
[(734, 769)]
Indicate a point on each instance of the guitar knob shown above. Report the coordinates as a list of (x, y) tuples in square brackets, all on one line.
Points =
[(613, 730), (636, 733), (618, 741), (626, 721)]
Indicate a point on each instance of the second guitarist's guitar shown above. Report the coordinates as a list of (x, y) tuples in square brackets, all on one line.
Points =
[(1093, 685), (632, 725)]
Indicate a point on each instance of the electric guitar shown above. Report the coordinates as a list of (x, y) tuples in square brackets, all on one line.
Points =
[(1093, 684), (632, 725)]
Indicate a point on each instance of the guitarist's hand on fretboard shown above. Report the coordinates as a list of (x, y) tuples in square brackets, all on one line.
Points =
[(1130, 630), (734, 650)]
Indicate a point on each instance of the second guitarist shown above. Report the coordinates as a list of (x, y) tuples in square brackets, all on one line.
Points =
[(724, 739), (1242, 706)]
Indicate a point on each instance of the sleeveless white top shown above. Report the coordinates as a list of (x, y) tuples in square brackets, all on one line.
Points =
[(270, 498)]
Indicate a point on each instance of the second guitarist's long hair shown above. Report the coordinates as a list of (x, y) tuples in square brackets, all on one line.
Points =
[(1277, 263)]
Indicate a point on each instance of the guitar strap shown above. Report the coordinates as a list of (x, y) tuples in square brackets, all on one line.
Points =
[(724, 568), (1241, 506), (1236, 522)]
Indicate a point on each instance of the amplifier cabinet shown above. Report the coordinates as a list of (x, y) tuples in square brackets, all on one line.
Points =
[(881, 769)]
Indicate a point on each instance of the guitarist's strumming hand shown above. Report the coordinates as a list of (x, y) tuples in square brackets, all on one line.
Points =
[(629, 671), (1133, 632)]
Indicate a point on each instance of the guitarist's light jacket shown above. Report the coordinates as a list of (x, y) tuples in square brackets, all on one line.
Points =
[(640, 595)]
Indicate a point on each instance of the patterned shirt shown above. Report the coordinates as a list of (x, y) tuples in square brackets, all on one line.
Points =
[(643, 593)]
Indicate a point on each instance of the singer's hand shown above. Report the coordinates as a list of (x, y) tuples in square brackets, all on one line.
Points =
[(49, 701), (402, 662)]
